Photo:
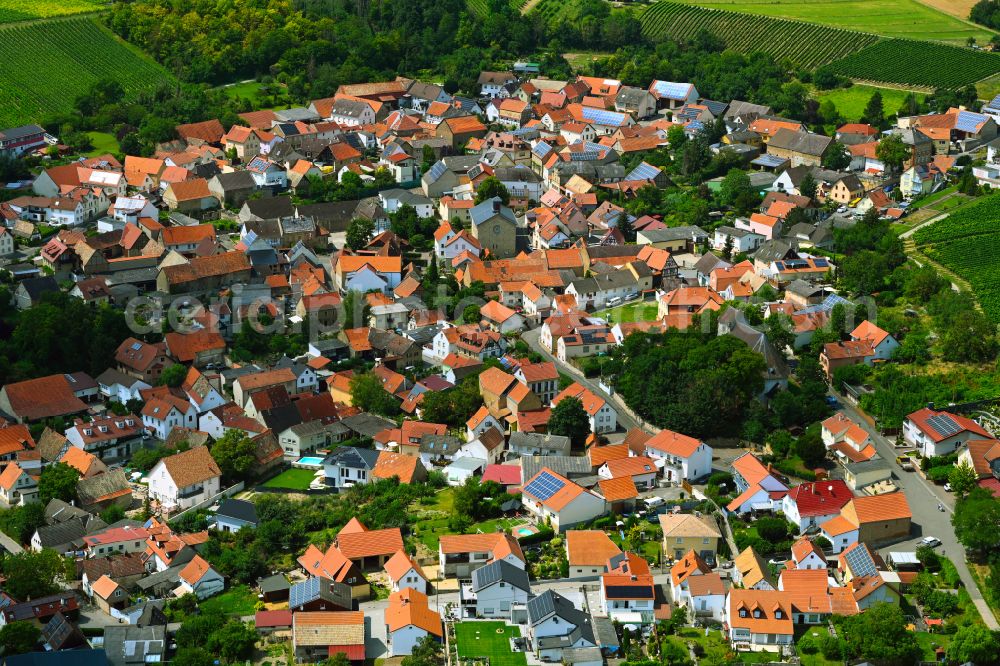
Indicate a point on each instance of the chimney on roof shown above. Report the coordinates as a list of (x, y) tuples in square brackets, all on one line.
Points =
[(496, 205)]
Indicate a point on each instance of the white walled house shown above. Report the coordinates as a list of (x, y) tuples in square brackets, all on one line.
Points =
[(185, 479), (683, 458), (602, 416), (556, 624), (493, 589), (940, 433), (554, 498), (408, 620), (404, 572), (200, 579), (162, 414)]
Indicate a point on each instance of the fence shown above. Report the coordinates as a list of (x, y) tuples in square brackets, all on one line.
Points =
[(228, 492)]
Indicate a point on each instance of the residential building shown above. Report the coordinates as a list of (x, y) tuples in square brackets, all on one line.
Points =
[(493, 589), (185, 479), (318, 635), (938, 433), (552, 498), (682, 458), (556, 626), (588, 552), (460, 554), (603, 417), (685, 532), (409, 620), (759, 619)]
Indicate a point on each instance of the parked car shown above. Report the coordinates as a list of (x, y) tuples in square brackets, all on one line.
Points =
[(932, 542), (947, 487)]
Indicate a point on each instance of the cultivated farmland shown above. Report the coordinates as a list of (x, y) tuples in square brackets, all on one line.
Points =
[(45, 65), (27, 10), (919, 64), (908, 19), (806, 44), (859, 55), (968, 243)]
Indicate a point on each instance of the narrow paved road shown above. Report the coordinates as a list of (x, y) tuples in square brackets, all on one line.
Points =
[(625, 420), (928, 520)]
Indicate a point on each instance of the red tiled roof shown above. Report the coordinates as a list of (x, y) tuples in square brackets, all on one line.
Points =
[(820, 498)]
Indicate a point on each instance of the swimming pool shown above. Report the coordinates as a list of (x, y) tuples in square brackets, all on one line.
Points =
[(310, 461), (525, 531)]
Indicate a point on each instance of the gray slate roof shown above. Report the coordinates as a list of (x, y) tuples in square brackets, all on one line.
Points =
[(500, 571)]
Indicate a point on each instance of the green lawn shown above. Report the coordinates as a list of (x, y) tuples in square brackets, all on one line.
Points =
[(629, 312), (297, 479), (103, 143), (850, 102), (239, 600), (481, 639), (928, 642), (908, 19), (249, 90), (931, 199)]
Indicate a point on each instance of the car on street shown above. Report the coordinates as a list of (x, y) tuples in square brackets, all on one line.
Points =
[(832, 401), (947, 487), (929, 541)]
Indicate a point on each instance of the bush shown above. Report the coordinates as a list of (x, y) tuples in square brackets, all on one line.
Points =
[(939, 474), (832, 648)]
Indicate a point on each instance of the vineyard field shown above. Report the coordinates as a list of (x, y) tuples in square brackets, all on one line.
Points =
[(976, 219), (968, 243), (806, 44), (908, 19), (45, 65), (28, 10), (919, 64)]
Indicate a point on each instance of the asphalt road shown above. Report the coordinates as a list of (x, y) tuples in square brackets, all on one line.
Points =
[(625, 421), (928, 520)]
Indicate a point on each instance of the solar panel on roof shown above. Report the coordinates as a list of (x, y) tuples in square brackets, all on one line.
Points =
[(967, 121), (644, 171), (544, 486), (303, 592), (821, 263), (437, 170), (602, 117), (861, 562), (672, 90), (944, 425), (136, 346)]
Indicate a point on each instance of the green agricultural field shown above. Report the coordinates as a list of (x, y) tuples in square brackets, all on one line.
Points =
[(45, 65), (967, 242), (851, 53), (805, 44), (27, 10), (914, 63), (850, 102), (892, 18), (481, 639)]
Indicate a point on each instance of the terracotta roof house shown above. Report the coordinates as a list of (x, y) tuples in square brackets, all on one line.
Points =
[(938, 433), (552, 497), (404, 572), (408, 619), (41, 398), (759, 619), (460, 554), (369, 549), (185, 479), (320, 634), (588, 552)]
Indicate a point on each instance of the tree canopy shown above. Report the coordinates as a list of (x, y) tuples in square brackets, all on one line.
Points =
[(668, 378), (569, 419)]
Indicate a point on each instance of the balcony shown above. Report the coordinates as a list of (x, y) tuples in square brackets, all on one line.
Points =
[(191, 492)]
